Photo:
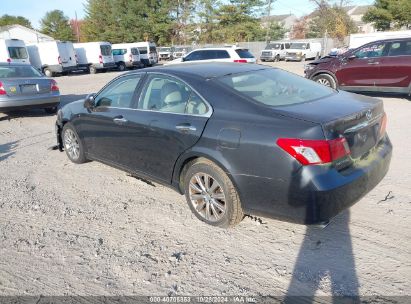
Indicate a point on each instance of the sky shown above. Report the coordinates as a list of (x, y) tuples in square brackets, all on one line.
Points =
[(34, 10)]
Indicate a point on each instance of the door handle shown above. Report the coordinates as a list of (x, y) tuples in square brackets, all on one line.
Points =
[(186, 128), (120, 120), (373, 63)]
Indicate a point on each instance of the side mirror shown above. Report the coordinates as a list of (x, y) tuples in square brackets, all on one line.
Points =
[(352, 57), (89, 101)]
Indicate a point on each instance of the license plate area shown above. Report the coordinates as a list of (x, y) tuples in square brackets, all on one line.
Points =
[(28, 88), (362, 141)]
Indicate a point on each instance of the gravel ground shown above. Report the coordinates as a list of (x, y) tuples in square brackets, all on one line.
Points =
[(89, 229)]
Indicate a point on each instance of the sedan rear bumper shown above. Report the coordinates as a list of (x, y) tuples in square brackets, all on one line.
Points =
[(315, 194), (29, 102)]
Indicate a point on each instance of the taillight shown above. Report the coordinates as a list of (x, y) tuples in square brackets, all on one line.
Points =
[(383, 125), (313, 152), (100, 58), (240, 60), (59, 59), (8, 60), (2, 90), (53, 86)]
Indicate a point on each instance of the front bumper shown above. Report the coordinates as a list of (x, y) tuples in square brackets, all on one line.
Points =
[(315, 194), (294, 57), (29, 102), (106, 65)]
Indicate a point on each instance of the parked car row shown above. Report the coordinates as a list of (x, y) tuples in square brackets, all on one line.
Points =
[(60, 57), (173, 52)]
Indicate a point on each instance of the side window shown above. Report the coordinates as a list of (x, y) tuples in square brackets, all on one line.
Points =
[(400, 48), (371, 51), (308, 46), (282, 46), (167, 94), (119, 94), (287, 46), (221, 54), (197, 55)]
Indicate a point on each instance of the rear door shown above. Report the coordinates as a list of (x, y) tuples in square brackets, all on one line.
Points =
[(105, 50), (18, 54), (66, 58), (169, 120), (363, 70), (396, 67)]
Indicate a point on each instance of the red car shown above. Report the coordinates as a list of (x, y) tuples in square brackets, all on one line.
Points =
[(379, 66)]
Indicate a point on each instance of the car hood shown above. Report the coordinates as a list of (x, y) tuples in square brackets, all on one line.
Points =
[(178, 60), (324, 59), (330, 108)]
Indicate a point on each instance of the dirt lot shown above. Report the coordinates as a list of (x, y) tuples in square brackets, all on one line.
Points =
[(69, 229)]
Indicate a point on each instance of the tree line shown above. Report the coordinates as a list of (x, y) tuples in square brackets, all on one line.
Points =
[(208, 21)]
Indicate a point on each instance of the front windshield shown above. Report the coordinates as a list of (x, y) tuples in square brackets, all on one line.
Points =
[(275, 87), (275, 46), (165, 49), (178, 49), (298, 46)]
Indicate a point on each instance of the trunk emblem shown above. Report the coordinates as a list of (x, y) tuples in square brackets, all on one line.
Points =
[(368, 114)]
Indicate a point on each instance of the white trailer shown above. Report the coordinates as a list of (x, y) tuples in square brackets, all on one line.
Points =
[(357, 40), (53, 57), (13, 51), (126, 56), (95, 56)]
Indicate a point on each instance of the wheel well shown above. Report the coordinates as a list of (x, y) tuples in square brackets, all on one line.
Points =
[(186, 164), (326, 73)]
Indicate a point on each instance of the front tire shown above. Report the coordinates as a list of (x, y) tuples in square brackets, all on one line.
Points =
[(92, 70), (52, 110), (72, 144), (211, 195), (325, 80)]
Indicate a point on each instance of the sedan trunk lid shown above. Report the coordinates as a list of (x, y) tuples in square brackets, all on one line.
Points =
[(26, 86)]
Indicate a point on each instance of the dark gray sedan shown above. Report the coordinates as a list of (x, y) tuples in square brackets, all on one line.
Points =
[(24, 87), (235, 139)]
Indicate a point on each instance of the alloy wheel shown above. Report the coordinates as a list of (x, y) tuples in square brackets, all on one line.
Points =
[(207, 197), (71, 144), (324, 82)]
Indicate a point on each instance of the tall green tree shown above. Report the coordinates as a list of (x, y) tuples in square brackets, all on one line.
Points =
[(389, 14), (57, 25), (9, 20), (330, 19)]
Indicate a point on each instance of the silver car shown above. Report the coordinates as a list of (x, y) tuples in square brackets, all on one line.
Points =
[(23, 87)]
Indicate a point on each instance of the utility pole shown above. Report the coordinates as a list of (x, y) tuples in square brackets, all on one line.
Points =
[(267, 35), (77, 28)]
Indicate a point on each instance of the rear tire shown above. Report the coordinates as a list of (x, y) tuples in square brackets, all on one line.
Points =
[(48, 72), (325, 80), (72, 144), (92, 70), (303, 59), (277, 58), (211, 195)]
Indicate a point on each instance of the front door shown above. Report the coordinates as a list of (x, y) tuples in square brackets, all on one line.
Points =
[(105, 129), (362, 69)]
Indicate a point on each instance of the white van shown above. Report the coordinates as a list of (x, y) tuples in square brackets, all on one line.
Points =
[(357, 40), (126, 56), (53, 57), (148, 52), (300, 51), (275, 51), (13, 51), (94, 55)]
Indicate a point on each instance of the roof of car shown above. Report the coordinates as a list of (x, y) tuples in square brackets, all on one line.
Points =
[(13, 64), (207, 70)]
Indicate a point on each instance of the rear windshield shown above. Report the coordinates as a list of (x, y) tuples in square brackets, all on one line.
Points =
[(17, 52), (274, 87), (153, 49), (143, 50), (105, 50), (134, 51), (244, 53), (18, 71), (119, 51)]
